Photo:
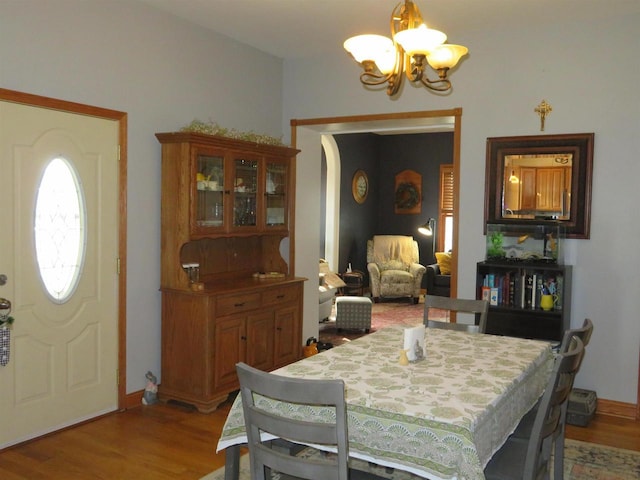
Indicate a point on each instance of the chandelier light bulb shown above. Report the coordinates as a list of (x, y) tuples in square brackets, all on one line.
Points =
[(421, 40), (367, 47), (386, 61), (446, 56)]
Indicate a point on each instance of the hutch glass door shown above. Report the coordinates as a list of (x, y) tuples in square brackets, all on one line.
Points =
[(210, 191), (245, 192), (276, 194)]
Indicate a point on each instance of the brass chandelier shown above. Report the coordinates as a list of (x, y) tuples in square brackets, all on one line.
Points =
[(412, 46)]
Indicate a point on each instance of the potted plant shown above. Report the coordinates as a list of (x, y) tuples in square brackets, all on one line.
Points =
[(495, 248)]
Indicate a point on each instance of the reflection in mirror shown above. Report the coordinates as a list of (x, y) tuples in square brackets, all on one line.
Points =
[(537, 186)]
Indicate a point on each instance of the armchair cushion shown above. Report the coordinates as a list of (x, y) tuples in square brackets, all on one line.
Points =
[(444, 261), (393, 265)]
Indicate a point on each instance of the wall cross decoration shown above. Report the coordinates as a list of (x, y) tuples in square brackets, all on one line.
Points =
[(543, 109)]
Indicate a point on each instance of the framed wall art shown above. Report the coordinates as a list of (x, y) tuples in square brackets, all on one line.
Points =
[(408, 192)]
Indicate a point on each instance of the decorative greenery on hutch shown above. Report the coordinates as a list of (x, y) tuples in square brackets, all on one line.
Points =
[(212, 128)]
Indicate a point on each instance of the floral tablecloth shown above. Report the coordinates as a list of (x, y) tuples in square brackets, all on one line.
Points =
[(441, 418)]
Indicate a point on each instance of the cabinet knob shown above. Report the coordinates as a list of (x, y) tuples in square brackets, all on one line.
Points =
[(280, 297), (279, 329), (238, 304), (243, 338)]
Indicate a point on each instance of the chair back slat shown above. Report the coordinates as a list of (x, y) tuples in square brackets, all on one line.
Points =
[(477, 307), (460, 327)]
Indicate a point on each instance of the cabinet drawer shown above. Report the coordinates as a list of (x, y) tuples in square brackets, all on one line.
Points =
[(237, 303), (279, 295)]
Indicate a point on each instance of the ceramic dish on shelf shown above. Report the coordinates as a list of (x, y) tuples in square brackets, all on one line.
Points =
[(211, 223)]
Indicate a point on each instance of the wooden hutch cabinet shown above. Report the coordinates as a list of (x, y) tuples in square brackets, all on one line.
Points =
[(227, 294)]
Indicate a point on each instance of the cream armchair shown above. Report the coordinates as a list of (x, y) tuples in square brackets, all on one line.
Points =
[(394, 268)]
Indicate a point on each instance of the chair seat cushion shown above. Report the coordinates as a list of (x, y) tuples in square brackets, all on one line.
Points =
[(392, 265), (395, 277)]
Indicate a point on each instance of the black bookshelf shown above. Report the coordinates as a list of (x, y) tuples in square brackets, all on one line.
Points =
[(515, 290)]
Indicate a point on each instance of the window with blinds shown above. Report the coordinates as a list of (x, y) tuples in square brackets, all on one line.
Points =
[(445, 239)]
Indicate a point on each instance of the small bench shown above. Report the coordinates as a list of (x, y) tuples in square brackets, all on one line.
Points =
[(353, 313)]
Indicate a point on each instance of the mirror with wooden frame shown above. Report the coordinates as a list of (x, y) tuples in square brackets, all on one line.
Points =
[(540, 179)]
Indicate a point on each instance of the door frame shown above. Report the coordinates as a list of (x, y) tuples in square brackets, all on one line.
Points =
[(121, 118), (410, 121)]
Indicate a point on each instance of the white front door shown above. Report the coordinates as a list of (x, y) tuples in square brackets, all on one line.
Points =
[(63, 358)]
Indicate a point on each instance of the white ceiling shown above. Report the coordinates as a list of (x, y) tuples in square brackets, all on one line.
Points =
[(301, 28)]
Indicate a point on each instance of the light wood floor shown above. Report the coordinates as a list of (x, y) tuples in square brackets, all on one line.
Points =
[(174, 442)]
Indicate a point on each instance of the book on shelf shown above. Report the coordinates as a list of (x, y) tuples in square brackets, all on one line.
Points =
[(559, 291), (528, 289), (494, 298), (539, 287), (486, 293), (512, 290)]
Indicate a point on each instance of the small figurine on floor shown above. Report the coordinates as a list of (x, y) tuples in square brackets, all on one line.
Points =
[(150, 395)]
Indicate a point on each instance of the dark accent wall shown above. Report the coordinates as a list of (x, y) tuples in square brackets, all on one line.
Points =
[(382, 157), (357, 221)]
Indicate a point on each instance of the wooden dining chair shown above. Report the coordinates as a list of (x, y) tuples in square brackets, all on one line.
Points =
[(528, 459), (304, 392), (477, 307), (524, 428)]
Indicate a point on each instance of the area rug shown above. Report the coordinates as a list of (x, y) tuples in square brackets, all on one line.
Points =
[(382, 315), (583, 461)]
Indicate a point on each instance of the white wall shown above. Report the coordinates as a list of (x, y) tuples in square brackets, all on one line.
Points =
[(164, 73), (590, 74)]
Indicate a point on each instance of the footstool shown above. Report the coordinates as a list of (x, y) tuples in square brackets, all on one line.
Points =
[(353, 313)]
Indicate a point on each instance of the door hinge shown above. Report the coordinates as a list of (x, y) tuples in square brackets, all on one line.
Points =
[(118, 153), (118, 265), (117, 376)]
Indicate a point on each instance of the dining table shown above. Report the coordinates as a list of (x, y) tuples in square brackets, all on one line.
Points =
[(442, 417)]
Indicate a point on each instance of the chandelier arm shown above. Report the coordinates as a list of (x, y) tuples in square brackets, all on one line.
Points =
[(394, 84), (415, 69), (372, 78), (440, 85)]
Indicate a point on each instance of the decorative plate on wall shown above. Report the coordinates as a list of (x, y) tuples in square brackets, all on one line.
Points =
[(360, 186)]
